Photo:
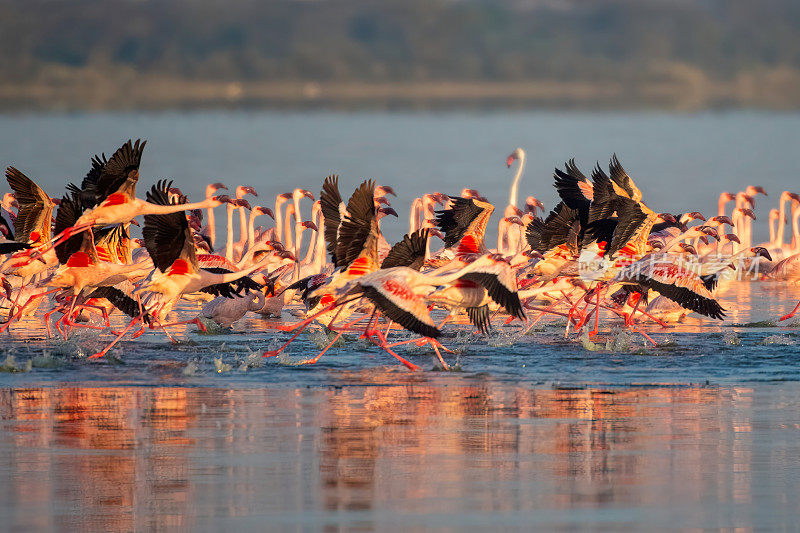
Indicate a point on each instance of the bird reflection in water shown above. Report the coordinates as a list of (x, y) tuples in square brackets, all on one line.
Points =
[(133, 458)]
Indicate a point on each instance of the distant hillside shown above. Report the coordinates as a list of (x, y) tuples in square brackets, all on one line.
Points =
[(132, 53)]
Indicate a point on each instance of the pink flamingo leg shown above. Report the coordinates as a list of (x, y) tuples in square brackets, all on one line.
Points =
[(790, 315), (115, 341)]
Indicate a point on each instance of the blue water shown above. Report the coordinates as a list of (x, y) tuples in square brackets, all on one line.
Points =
[(530, 430)]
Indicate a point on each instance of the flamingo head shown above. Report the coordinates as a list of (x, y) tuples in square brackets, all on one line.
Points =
[(696, 215), (515, 220), (307, 224), (265, 211), (688, 248), (383, 190), (9, 201), (222, 199), (381, 200), (760, 251), (753, 190), (201, 244), (441, 198), (748, 213), (721, 219), (531, 204), (243, 190), (727, 197), (214, 187), (384, 211), (433, 232), (241, 202), (519, 153), (666, 217), (469, 193), (302, 193)]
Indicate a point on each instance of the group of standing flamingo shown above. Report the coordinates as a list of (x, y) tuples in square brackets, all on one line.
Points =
[(601, 250)]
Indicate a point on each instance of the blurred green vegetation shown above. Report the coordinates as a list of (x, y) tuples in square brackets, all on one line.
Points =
[(739, 50)]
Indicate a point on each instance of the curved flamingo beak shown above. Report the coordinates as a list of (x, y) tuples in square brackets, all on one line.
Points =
[(666, 217), (532, 203), (749, 213), (514, 220), (302, 193), (688, 248), (385, 189), (267, 211), (756, 190), (733, 238), (722, 219), (728, 196), (433, 232), (511, 158), (760, 251), (285, 196), (310, 225), (792, 195), (387, 211), (241, 190), (223, 199), (697, 215), (381, 200), (217, 186), (241, 202)]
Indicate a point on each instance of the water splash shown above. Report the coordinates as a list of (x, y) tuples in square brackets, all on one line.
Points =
[(588, 344), (780, 340), (731, 338), (10, 365), (221, 367)]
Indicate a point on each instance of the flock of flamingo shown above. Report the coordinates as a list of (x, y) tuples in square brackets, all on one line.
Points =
[(601, 250)]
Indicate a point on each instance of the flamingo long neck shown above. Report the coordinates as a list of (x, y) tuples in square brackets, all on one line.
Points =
[(278, 218), (288, 242), (502, 236), (229, 235), (242, 226), (320, 256), (781, 220), (157, 209), (737, 220), (413, 216), (313, 243), (512, 195), (723, 200), (251, 229), (773, 219), (296, 204), (212, 229), (795, 228)]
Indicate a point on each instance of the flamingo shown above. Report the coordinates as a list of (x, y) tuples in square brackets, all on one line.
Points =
[(225, 311)]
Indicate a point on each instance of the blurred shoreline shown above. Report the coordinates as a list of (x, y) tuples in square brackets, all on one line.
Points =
[(778, 89)]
